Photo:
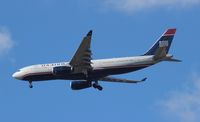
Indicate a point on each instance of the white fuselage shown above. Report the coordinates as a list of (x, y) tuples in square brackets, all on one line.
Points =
[(101, 68)]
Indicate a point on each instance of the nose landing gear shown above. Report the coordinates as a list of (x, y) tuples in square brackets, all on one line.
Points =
[(30, 84)]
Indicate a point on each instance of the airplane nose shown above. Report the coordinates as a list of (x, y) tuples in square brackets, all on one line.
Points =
[(17, 75)]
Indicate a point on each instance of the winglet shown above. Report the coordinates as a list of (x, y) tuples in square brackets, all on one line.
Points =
[(89, 33), (144, 79)]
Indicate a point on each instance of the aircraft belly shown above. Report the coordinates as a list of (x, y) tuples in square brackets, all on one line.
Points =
[(114, 71), (50, 76), (38, 77)]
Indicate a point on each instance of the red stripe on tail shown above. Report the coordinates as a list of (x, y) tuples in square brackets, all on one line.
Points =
[(170, 32)]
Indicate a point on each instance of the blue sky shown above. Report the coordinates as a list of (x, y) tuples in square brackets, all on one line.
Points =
[(45, 31)]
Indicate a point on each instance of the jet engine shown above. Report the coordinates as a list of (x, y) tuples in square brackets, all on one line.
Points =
[(61, 70), (78, 85)]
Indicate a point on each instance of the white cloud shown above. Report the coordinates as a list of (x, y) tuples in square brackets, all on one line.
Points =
[(184, 105), (6, 42), (136, 5)]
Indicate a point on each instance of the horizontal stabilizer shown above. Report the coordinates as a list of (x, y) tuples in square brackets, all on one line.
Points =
[(173, 60), (112, 79)]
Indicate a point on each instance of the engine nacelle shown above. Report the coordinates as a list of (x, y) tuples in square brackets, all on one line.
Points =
[(61, 70), (78, 85)]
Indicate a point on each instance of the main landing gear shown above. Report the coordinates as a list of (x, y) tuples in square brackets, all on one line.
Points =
[(30, 84), (97, 86)]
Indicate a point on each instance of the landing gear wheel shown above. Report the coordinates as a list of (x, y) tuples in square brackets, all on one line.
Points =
[(100, 88), (97, 86), (30, 84)]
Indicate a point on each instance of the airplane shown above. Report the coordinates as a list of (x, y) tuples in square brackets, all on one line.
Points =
[(85, 72)]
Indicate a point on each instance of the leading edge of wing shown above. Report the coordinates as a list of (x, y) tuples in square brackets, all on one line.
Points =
[(120, 80)]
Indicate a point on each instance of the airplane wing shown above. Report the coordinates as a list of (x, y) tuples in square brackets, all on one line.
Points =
[(112, 79), (81, 61)]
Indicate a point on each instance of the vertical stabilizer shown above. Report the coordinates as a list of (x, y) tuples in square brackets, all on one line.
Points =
[(162, 45)]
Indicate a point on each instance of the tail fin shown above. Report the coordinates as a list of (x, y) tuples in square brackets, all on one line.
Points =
[(162, 45)]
